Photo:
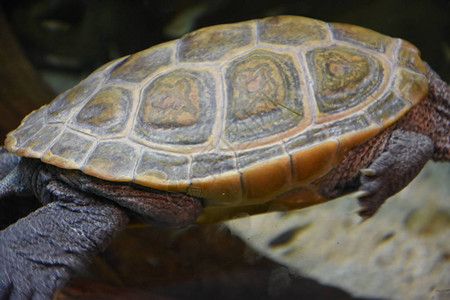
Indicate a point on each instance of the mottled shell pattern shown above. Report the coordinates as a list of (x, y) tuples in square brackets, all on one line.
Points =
[(236, 114)]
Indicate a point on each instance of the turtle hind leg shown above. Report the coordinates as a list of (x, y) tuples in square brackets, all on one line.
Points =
[(41, 252), (393, 169)]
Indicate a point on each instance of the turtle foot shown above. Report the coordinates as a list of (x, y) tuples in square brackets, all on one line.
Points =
[(406, 155)]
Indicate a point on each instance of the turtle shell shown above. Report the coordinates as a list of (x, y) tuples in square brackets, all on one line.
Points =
[(236, 114)]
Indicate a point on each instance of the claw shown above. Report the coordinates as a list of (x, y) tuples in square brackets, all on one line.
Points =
[(358, 211), (368, 172), (355, 211), (360, 194)]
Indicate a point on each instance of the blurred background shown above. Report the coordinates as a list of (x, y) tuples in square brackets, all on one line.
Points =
[(47, 46)]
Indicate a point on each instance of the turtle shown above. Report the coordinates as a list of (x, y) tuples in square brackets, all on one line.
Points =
[(264, 115)]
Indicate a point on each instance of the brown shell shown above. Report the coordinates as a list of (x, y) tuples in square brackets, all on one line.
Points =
[(237, 114)]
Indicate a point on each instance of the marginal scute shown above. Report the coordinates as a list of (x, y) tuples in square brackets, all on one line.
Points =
[(305, 139), (344, 77), (261, 182), (30, 125), (408, 57), (225, 189), (214, 178), (112, 160), (143, 64), (291, 30), (106, 113), (352, 131), (263, 96), (247, 158), (34, 117), (212, 164), (70, 150), (215, 42), (41, 141), (330, 130), (351, 124), (164, 170), (411, 85), (361, 36), (313, 162), (177, 108), (387, 109)]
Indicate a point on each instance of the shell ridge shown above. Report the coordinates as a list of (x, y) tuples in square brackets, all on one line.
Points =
[(221, 116), (140, 151), (49, 145), (330, 32), (374, 53), (306, 76), (133, 116), (176, 52), (89, 153), (256, 25), (24, 142), (20, 144), (57, 137), (76, 110), (291, 164), (409, 70)]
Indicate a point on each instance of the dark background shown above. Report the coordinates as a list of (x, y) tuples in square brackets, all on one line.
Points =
[(79, 35), (65, 40)]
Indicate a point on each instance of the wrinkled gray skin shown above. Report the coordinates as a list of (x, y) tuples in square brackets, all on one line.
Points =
[(81, 215), (41, 252)]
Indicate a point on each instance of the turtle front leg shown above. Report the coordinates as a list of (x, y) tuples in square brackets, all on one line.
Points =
[(41, 252), (8, 161), (394, 169)]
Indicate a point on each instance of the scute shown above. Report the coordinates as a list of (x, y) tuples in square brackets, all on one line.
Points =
[(238, 114), (106, 113), (361, 36), (207, 164), (215, 42), (287, 30), (144, 64), (247, 158), (410, 85), (264, 96), (112, 160), (62, 108), (386, 108), (344, 77), (164, 169), (408, 56), (38, 143), (70, 150), (31, 124), (177, 108)]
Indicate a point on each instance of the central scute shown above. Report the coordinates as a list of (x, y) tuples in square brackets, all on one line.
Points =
[(263, 96), (177, 108)]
